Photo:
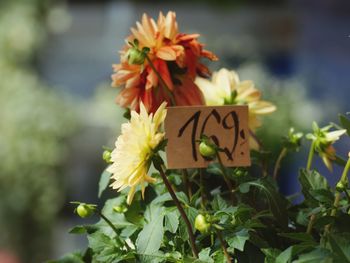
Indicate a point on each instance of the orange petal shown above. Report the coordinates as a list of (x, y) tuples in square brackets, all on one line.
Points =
[(166, 53)]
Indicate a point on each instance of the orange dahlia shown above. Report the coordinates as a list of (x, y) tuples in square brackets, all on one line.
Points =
[(176, 58)]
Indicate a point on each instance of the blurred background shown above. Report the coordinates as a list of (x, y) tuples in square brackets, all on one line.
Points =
[(57, 107)]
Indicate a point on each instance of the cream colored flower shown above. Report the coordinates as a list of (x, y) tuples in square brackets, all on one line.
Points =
[(134, 148), (225, 88)]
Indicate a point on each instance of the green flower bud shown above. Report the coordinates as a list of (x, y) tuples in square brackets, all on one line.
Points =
[(84, 210), (120, 209), (206, 150), (201, 224), (106, 156), (136, 56), (341, 186)]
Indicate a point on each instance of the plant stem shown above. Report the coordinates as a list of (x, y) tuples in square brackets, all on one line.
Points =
[(163, 83), (344, 180), (337, 198), (311, 223), (311, 155), (223, 245), (187, 183), (113, 227), (202, 188), (226, 178), (278, 162), (181, 210)]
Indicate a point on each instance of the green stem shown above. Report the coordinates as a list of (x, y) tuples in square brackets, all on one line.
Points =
[(311, 155), (180, 208), (163, 83), (226, 178), (202, 188), (337, 198), (311, 223), (187, 183), (278, 162), (344, 180), (223, 246), (113, 227)]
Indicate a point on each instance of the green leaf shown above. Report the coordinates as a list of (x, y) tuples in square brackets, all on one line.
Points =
[(191, 214), (319, 255), (311, 181), (214, 168), (104, 180), (219, 256), (83, 229), (151, 236), (167, 197), (239, 239), (324, 196), (219, 203), (340, 244), (345, 122), (287, 255), (276, 202), (303, 237), (99, 241), (204, 256), (271, 254), (172, 221)]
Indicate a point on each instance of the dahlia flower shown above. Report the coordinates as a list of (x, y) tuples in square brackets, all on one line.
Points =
[(225, 88), (174, 55), (134, 148)]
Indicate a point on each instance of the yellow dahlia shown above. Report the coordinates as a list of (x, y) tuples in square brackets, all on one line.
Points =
[(131, 157), (176, 56), (225, 88)]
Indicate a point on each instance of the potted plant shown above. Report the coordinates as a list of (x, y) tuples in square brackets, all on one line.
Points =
[(217, 213)]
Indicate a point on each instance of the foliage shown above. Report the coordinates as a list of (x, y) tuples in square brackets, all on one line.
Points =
[(260, 225)]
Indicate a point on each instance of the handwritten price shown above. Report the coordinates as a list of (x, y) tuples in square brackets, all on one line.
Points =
[(225, 125)]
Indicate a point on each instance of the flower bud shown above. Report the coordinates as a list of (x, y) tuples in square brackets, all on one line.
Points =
[(341, 186), (206, 150), (201, 224), (136, 56), (106, 156), (84, 210), (120, 208)]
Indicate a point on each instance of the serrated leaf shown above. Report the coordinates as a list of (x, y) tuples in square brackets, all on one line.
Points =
[(99, 241), (151, 236), (239, 239), (167, 197), (219, 203), (204, 256), (103, 183), (172, 221), (311, 181)]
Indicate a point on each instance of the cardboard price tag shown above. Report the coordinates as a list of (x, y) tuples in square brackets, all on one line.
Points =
[(227, 126)]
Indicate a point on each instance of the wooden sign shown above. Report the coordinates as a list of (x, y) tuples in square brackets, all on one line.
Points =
[(227, 126)]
